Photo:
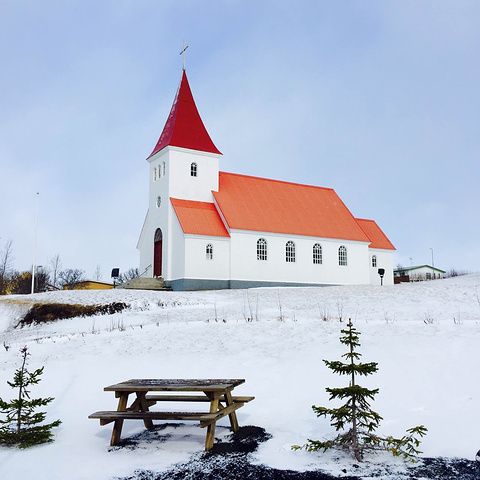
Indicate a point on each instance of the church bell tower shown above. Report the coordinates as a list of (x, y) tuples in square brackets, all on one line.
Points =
[(183, 165)]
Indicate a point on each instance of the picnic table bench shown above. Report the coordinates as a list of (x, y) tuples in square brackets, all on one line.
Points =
[(218, 392)]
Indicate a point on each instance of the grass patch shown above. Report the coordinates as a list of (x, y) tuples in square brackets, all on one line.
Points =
[(49, 312)]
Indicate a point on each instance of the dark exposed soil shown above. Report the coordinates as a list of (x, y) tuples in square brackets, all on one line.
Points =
[(230, 461), (49, 312)]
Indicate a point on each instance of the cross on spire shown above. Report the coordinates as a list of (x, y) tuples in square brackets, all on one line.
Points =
[(183, 53)]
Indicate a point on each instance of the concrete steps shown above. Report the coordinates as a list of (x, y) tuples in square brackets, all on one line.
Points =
[(145, 284)]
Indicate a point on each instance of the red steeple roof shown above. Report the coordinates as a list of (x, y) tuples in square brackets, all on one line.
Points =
[(184, 127)]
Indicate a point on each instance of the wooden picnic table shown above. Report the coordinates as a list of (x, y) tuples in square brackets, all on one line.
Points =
[(217, 392)]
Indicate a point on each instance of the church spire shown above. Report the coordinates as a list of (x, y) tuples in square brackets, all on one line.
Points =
[(184, 127)]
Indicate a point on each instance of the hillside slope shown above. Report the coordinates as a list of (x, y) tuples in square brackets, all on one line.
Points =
[(424, 336)]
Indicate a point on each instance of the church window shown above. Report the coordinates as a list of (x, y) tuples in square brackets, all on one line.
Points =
[(163, 166), (261, 249), (317, 254), (159, 201), (342, 255), (290, 251), (374, 261), (154, 174), (193, 169), (209, 251)]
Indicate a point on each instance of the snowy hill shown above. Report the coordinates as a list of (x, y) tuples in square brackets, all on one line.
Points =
[(424, 336)]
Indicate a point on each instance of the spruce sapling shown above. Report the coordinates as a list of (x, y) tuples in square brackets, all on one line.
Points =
[(22, 424), (355, 414)]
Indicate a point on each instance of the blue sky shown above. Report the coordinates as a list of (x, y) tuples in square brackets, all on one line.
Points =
[(376, 99)]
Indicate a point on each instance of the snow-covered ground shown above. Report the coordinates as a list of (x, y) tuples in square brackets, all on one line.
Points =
[(425, 337)]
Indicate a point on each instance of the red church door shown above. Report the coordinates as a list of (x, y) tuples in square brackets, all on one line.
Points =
[(157, 254)]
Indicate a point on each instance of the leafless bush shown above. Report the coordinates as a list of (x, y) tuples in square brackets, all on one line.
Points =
[(428, 319), (70, 277), (453, 272), (340, 308), (130, 274), (6, 260), (117, 324), (55, 264), (324, 313), (281, 317)]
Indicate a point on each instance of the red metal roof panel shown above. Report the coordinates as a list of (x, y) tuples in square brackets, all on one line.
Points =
[(199, 218), (375, 234), (259, 204)]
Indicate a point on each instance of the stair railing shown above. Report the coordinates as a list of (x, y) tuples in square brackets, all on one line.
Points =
[(145, 271)]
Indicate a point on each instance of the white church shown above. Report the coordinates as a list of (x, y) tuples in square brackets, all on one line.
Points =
[(208, 229)]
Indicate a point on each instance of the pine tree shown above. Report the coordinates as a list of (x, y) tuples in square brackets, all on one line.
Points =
[(355, 415), (22, 424)]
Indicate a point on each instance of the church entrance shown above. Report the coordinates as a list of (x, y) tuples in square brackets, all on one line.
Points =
[(157, 253)]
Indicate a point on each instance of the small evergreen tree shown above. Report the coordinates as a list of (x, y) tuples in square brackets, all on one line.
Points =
[(22, 425), (355, 414)]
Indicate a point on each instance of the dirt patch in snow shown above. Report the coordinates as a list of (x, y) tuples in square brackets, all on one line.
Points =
[(49, 312), (230, 460)]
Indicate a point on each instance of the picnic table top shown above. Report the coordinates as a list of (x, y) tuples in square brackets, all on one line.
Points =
[(175, 385)]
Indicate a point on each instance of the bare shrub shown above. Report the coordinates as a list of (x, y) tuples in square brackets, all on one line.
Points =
[(428, 319)]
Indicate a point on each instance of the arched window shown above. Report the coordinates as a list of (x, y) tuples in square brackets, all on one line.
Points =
[(261, 249), (374, 260), (154, 173), (317, 254), (163, 168), (342, 255), (209, 251), (290, 251), (193, 169)]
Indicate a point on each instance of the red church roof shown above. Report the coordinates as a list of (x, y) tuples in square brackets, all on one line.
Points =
[(375, 234), (264, 205), (184, 127), (259, 204), (199, 218)]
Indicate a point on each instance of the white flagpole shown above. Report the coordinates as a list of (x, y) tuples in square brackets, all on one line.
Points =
[(35, 248)]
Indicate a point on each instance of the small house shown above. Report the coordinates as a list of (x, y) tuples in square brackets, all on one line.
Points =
[(88, 285), (417, 274)]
